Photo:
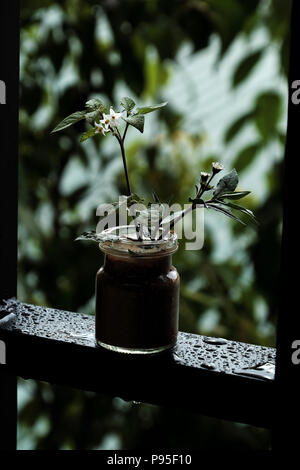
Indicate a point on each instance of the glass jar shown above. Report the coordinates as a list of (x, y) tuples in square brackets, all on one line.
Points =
[(137, 294)]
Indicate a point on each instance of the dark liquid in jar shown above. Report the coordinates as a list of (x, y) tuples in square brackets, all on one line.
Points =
[(137, 302)]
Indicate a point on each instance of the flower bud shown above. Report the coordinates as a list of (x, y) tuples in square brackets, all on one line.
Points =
[(216, 167), (204, 176)]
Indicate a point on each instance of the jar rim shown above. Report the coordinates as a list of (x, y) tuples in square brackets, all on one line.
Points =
[(127, 243)]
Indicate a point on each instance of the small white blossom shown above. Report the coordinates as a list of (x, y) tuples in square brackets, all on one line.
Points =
[(111, 118), (217, 166), (105, 121), (100, 128)]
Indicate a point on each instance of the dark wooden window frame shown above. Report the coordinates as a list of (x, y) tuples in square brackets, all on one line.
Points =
[(220, 380)]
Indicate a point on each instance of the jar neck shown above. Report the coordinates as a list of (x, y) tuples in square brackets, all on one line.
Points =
[(137, 266)]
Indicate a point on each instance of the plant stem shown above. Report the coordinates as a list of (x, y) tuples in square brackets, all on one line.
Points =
[(187, 211), (121, 142), (203, 187), (125, 168), (125, 131), (174, 221)]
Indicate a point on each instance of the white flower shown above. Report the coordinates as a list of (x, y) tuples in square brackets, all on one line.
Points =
[(100, 128), (217, 166), (111, 118)]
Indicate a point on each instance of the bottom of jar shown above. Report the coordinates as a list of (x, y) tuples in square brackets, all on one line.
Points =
[(134, 350)]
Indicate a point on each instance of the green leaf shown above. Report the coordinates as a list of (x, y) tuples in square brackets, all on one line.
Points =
[(236, 127), (127, 103), (235, 195), (90, 133), (136, 121), (88, 236), (241, 209), (93, 116), (225, 212), (282, 138), (226, 184), (94, 103), (267, 114), (150, 109), (97, 237), (246, 156), (69, 120), (133, 199), (246, 66)]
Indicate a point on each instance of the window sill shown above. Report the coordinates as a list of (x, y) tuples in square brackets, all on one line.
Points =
[(216, 380)]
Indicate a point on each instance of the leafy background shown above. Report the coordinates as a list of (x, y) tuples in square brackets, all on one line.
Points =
[(222, 66)]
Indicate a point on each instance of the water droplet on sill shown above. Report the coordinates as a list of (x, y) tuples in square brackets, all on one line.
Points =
[(82, 335), (262, 371), (207, 366), (7, 319), (215, 341)]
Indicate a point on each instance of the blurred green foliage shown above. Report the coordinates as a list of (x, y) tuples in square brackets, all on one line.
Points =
[(74, 50)]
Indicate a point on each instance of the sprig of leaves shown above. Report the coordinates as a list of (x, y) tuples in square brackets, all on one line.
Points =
[(95, 109), (96, 115), (223, 193)]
